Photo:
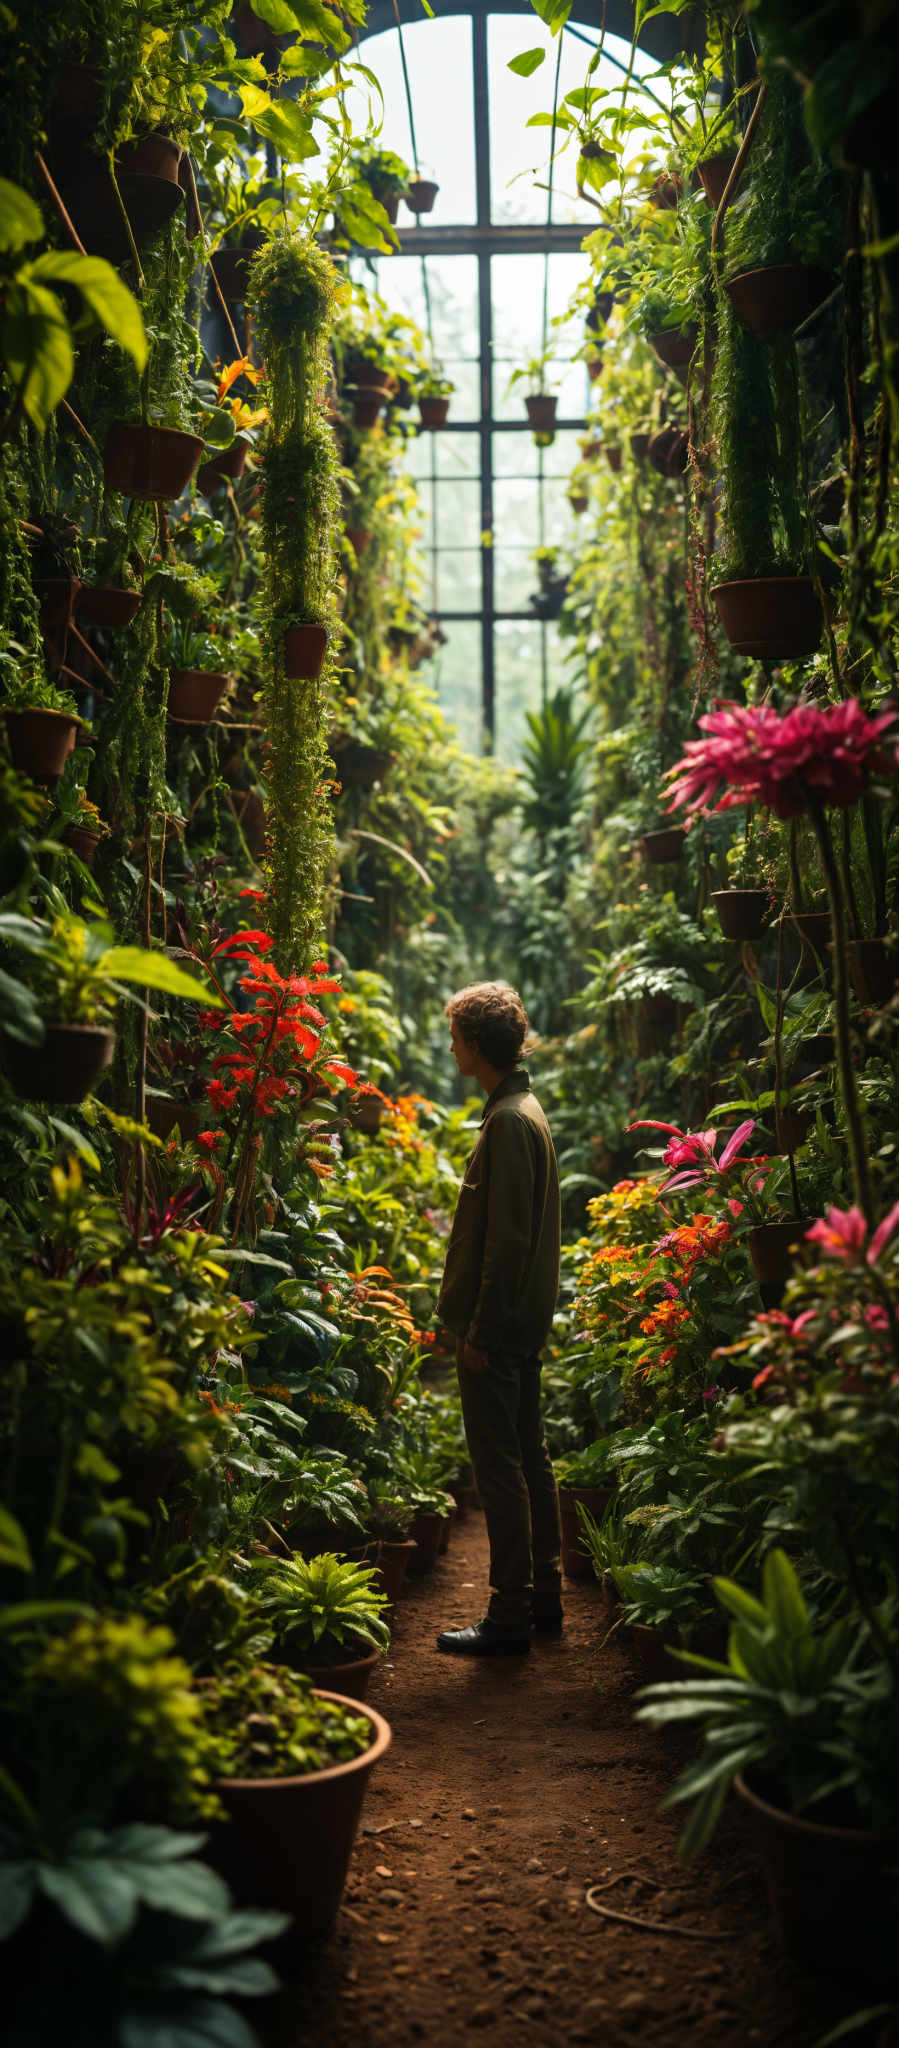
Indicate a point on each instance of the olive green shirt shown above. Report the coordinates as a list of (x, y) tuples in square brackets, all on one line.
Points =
[(501, 1276)]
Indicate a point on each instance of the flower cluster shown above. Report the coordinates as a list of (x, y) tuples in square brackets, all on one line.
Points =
[(271, 1052), (812, 755)]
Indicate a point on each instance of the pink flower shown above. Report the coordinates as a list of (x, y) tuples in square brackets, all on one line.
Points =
[(843, 1233), (815, 753), (876, 1316), (696, 1148)]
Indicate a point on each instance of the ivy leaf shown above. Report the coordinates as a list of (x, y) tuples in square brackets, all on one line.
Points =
[(108, 298), (526, 62), (20, 217)]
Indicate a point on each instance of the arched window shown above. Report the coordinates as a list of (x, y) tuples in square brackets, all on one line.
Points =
[(485, 274)]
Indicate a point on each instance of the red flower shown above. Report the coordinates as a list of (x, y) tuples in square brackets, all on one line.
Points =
[(813, 754), (207, 1140)]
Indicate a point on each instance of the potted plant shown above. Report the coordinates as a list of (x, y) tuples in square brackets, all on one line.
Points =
[(290, 1766), (547, 601), (434, 392), (326, 1616), (389, 1517), (421, 193), (111, 599), (540, 401), (85, 829), (783, 237), (585, 1480), (196, 684), (659, 1606), (796, 1720), (385, 174), (744, 906), (76, 973), (41, 722), (144, 460), (669, 450), (662, 843)]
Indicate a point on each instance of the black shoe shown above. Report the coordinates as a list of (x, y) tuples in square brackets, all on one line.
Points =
[(547, 1618), (484, 1639)]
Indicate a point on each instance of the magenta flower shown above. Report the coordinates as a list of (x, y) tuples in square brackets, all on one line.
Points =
[(843, 1233), (814, 754), (696, 1149)]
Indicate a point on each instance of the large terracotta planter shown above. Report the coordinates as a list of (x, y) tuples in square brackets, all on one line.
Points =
[(427, 1530), (673, 350), (40, 742), (420, 195), (103, 604), (350, 1678), (828, 1888), (773, 1248), (149, 462), (770, 618), (64, 1067), (541, 411), (434, 413), (576, 1560), (194, 694), (713, 173), (741, 913), (305, 648), (290, 1839), (779, 298)]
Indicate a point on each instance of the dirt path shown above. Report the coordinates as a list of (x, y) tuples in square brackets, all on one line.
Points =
[(510, 1787)]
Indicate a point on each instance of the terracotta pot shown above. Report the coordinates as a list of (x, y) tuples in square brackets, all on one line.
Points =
[(305, 648), (224, 468), (770, 618), (541, 411), (640, 446), (741, 913), (813, 928), (828, 1888), (57, 597), (434, 413), (594, 367), (77, 94), (578, 500), (257, 39), (795, 1125), (156, 156), (713, 173), (673, 350), (666, 191), (367, 405), (231, 270), (778, 298), (576, 1561), (421, 194), (290, 1839), (872, 967), (669, 451), (150, 201), (102, 604), (165, 1111), (614, 456), (667, 843), (359, 766), (194, 694), (361, 375), (464, 1495), (448, 1522), (427, 1530), (349, 1678), (359, 538), (149, 462), (366, 1114), (652, 1649), (40, 742), (64, 1067), (393, 1565), (600, 311), (83, 843), (772, 1249)]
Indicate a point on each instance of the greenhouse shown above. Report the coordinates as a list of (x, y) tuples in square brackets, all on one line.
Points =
[(449, 1017)]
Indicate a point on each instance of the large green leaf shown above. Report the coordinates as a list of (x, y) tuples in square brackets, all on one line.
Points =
[(97, 1898), (285, 124), (278, 15), (197, 2023), (108, 298), (14, 1549), (190, 1889), (17, 1888), (154, 970), (36, 346), (20, 217), (526, 62), (783, 1597)]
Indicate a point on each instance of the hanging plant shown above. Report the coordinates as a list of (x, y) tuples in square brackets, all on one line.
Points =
[(291, 294)]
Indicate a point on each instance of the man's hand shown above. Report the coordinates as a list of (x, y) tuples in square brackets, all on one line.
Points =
[(469, 1357)]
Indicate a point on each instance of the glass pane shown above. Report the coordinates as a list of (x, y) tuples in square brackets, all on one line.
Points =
[(449, 283), (516, 512), (457, 454), (459, 581), (437, 52), (458, 514), (562, 663), (515, 454), (514, 578), (466, 399), (559, 460), (519, 682), (517, 196), (456, 675)]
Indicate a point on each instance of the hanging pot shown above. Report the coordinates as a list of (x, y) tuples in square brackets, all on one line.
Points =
[(64, 1067), (149, 462), (600, 311), (578, 500), (669, 451), (224, 468), (434, 413), (828, 1888), (305, 648), (366, 1114), (777, 299), (288, 1841), (77, 94), (150, 202), (165, 1111), (82, 842), (231, 268), (256, 38), (640, 446), (421, 194), (249, 811), (540, 407), (367, 407), (614, 456), (666, 192), (40, 742), (359, 766), (673, 350), (667, 843), (773, 1248), (594, 367), (156, 156), (103, 604), (362, 375), (194, 694), (359, 538), (814, 929), (713, 173), (872, 967), (57, 598), (795, 1125), (576, 1560), (770, 618), (741, 913)]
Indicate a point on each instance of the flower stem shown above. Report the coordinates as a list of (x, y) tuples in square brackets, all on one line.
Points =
[(855, 1128)]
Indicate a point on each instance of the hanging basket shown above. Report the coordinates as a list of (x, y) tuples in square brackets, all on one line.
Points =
[(669, 451), (614, 455), (305, 648), (150, 201), (770, 618), (103, 604), (713, 173), (63, 1068), (421, 194), (40, 742), (600, 311), (224, 468), (541, 411), (773, 1248), (640, 446), (367, 403), (741, 913), (434, 413), (149, 462), (777, 299), (57, 598), (578, 500), (667, 843), (872, 967), (359, 538), (194, 694), (231, 269), (675, 351)]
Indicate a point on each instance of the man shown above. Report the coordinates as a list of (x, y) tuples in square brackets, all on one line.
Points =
[(498, 1296)]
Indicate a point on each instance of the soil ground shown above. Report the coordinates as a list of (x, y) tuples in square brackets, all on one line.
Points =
[(510, 1787)]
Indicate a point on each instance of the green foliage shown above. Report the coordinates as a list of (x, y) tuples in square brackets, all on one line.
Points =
[(263, 1721), (553, 761), (321, 1605), (77, 971), (37, 337)]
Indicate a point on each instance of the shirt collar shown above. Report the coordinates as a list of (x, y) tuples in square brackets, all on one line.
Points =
[(515, 1083)]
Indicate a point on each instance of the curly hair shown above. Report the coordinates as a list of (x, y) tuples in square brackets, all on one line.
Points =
[(492, 1016)]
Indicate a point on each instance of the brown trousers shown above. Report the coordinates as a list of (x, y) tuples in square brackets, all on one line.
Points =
[(504, 1430)]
